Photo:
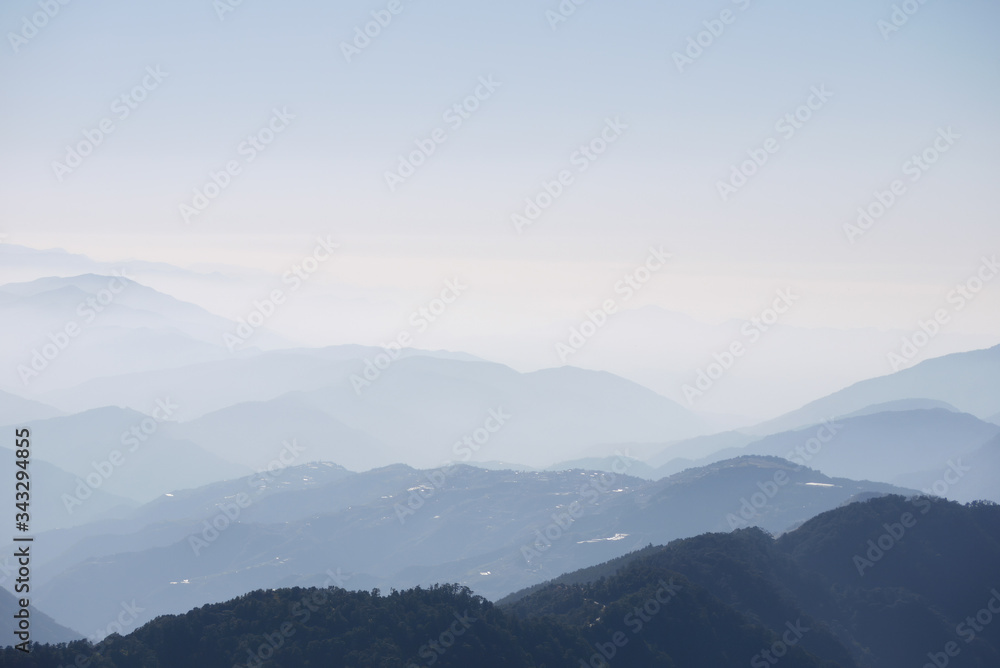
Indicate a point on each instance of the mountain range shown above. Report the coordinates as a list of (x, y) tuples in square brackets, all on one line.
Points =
[(206, 473), (891, 581), (494, 531)]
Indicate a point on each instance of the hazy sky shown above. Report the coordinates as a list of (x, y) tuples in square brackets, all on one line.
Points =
[(338, 124)]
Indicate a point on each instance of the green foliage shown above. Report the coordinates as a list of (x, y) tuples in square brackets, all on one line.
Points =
[(714, 601)]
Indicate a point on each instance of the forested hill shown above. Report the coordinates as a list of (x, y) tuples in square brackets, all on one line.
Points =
[(887, 582)]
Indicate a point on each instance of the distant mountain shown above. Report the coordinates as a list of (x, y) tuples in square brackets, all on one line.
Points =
[(697, 447), (20, 261), (632, 345), (697, 451), (425, 405), (414, 411), (252, 433), (494, 465), (49, 509), (395, 527), (149, 460), (866, 585), (152, 308), (889, 446), (636, 467), (903, 405), (44, 629), (15, 409), (173, 517), (73, 329), (205, 387), (966, 381), (970, 477), (995, 419)]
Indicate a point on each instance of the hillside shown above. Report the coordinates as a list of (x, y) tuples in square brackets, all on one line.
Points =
[(493, 531), (716, 600)]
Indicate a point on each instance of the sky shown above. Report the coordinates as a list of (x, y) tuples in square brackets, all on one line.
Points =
[(334, 112)]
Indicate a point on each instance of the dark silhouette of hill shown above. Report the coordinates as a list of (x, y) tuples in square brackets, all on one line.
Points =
[(887, 582)]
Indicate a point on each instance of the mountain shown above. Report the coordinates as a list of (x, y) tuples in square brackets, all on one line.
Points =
[(496, 531), (208, 386), (44, 629), (636, 467), (413, 411), (903, 405), (632, 345), (123, 452), (966, 381), (74, 329), (444, 625), (865, 585), (697, 447), (426, 405), (908, 447), (980, 480), (15, 409), (904, 603), (49, 508), (967, 478), (251, 433), (18, 261)]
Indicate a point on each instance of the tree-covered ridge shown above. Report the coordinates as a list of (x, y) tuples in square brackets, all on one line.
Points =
[(444, 625), (661, 623), (886, 582), (820, 596)]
